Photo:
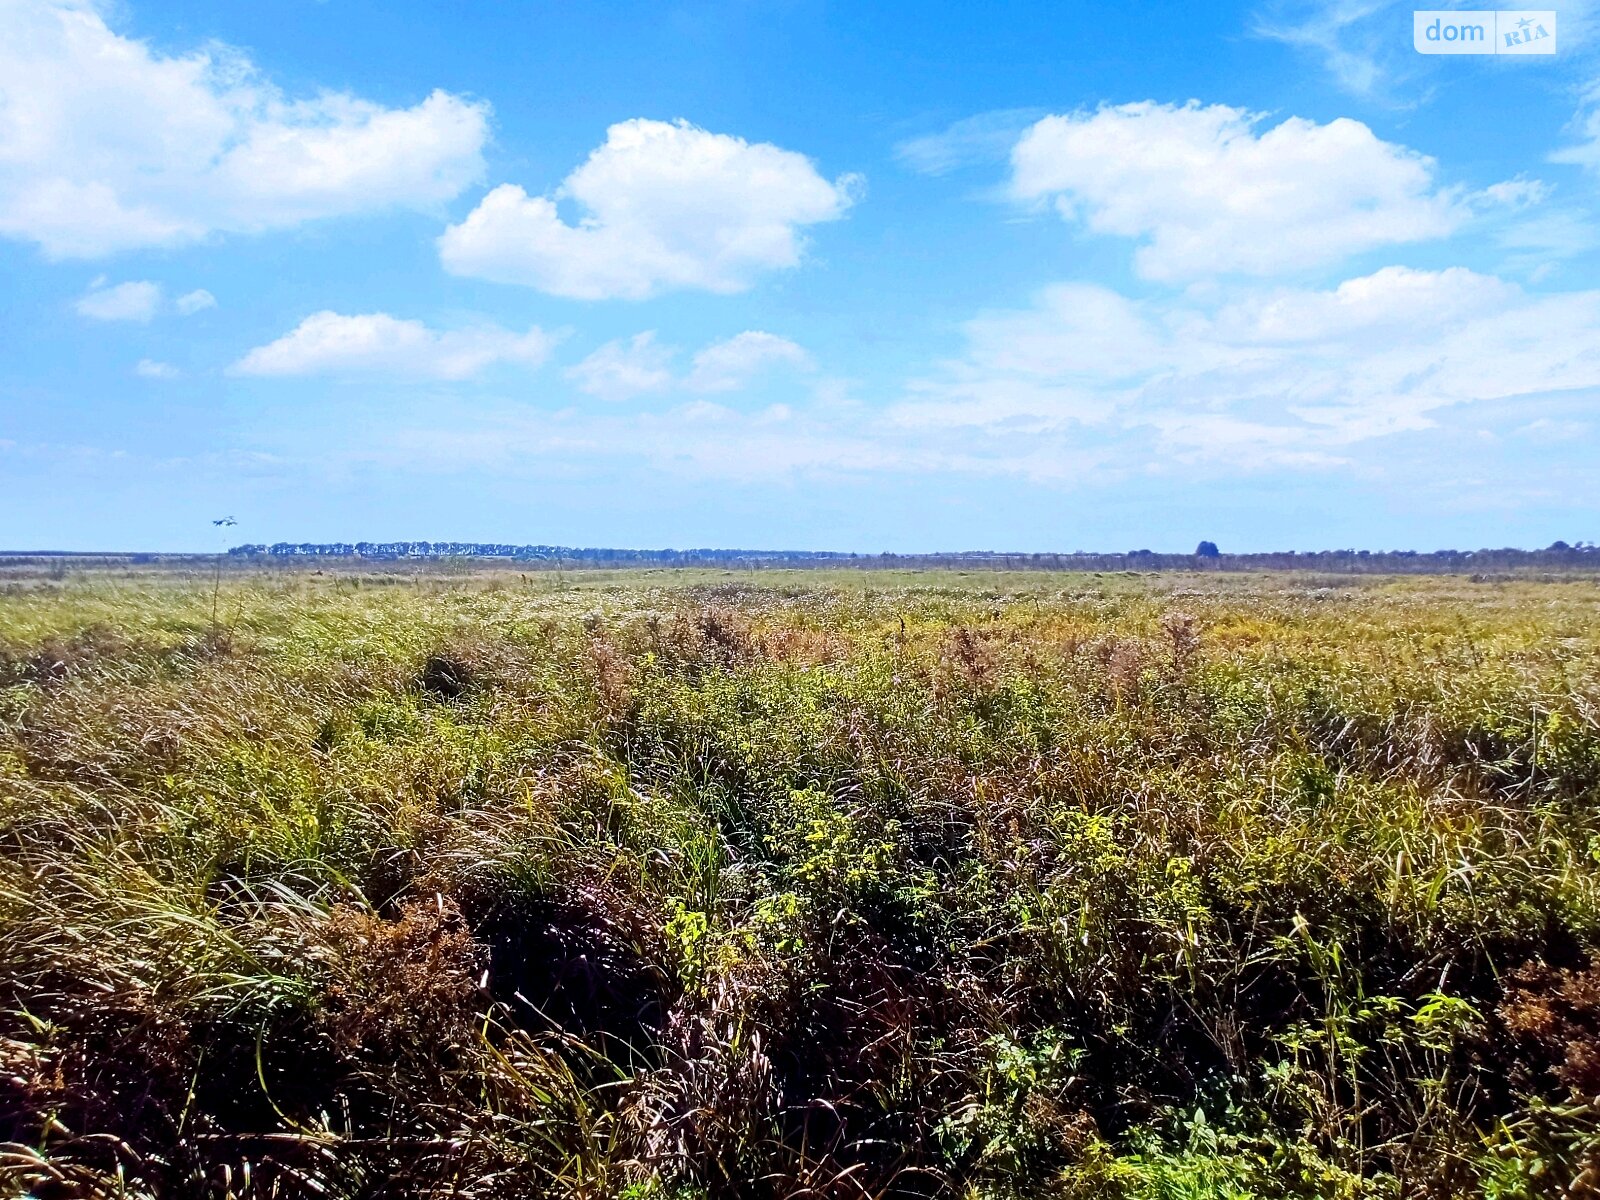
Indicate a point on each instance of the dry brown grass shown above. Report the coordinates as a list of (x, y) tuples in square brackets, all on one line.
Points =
[(1152, 889)]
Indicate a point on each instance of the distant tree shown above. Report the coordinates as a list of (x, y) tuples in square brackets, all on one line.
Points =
[(1206, 550), (1559, 546)]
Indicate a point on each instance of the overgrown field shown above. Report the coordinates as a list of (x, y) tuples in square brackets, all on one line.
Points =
[(1056, 886)]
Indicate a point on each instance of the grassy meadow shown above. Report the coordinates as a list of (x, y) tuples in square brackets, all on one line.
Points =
[(642, 884)]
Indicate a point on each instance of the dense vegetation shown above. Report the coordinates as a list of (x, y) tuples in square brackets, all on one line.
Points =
[(1022, 886)]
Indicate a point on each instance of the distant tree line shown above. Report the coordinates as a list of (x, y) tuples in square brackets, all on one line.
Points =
[(1206, 557), (551, 555)]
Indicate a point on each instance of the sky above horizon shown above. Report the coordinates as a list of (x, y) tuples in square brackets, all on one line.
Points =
[(793, 275)]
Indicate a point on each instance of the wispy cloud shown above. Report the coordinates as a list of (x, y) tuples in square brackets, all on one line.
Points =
[(974, 141), (1267, 378), (626, 368), (1364, 45), (729, 365), (196, 301), (135, 300), (1390, 376)]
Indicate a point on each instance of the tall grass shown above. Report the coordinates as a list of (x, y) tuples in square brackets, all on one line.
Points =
[(1176, 887)]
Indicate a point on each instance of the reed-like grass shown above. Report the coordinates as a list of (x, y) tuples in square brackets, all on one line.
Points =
[(635, 886)]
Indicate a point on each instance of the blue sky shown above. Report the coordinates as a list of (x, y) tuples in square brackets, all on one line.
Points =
[(793, 275)]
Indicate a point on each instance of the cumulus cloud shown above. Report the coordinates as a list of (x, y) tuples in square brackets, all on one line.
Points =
[(136, 300), (328, 343), (1209, 190), (107, 144), (149, 368), (666, 206), (196, 301), (625, 368), (729, 365)]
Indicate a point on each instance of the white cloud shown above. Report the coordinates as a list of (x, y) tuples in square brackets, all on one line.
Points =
[(136, 300), (667, 205), (1538, 244), (640, 365), (1517, 193), (1076, 331), (729, 365), (1362, 54), (625, 368), (377, 343), (149, 368), (1272, 377), (1207, 190), (192, 302), (1365, 45), (987, 137), (1521, 217), (1585, 151), (107, 144), (1437, 386)]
